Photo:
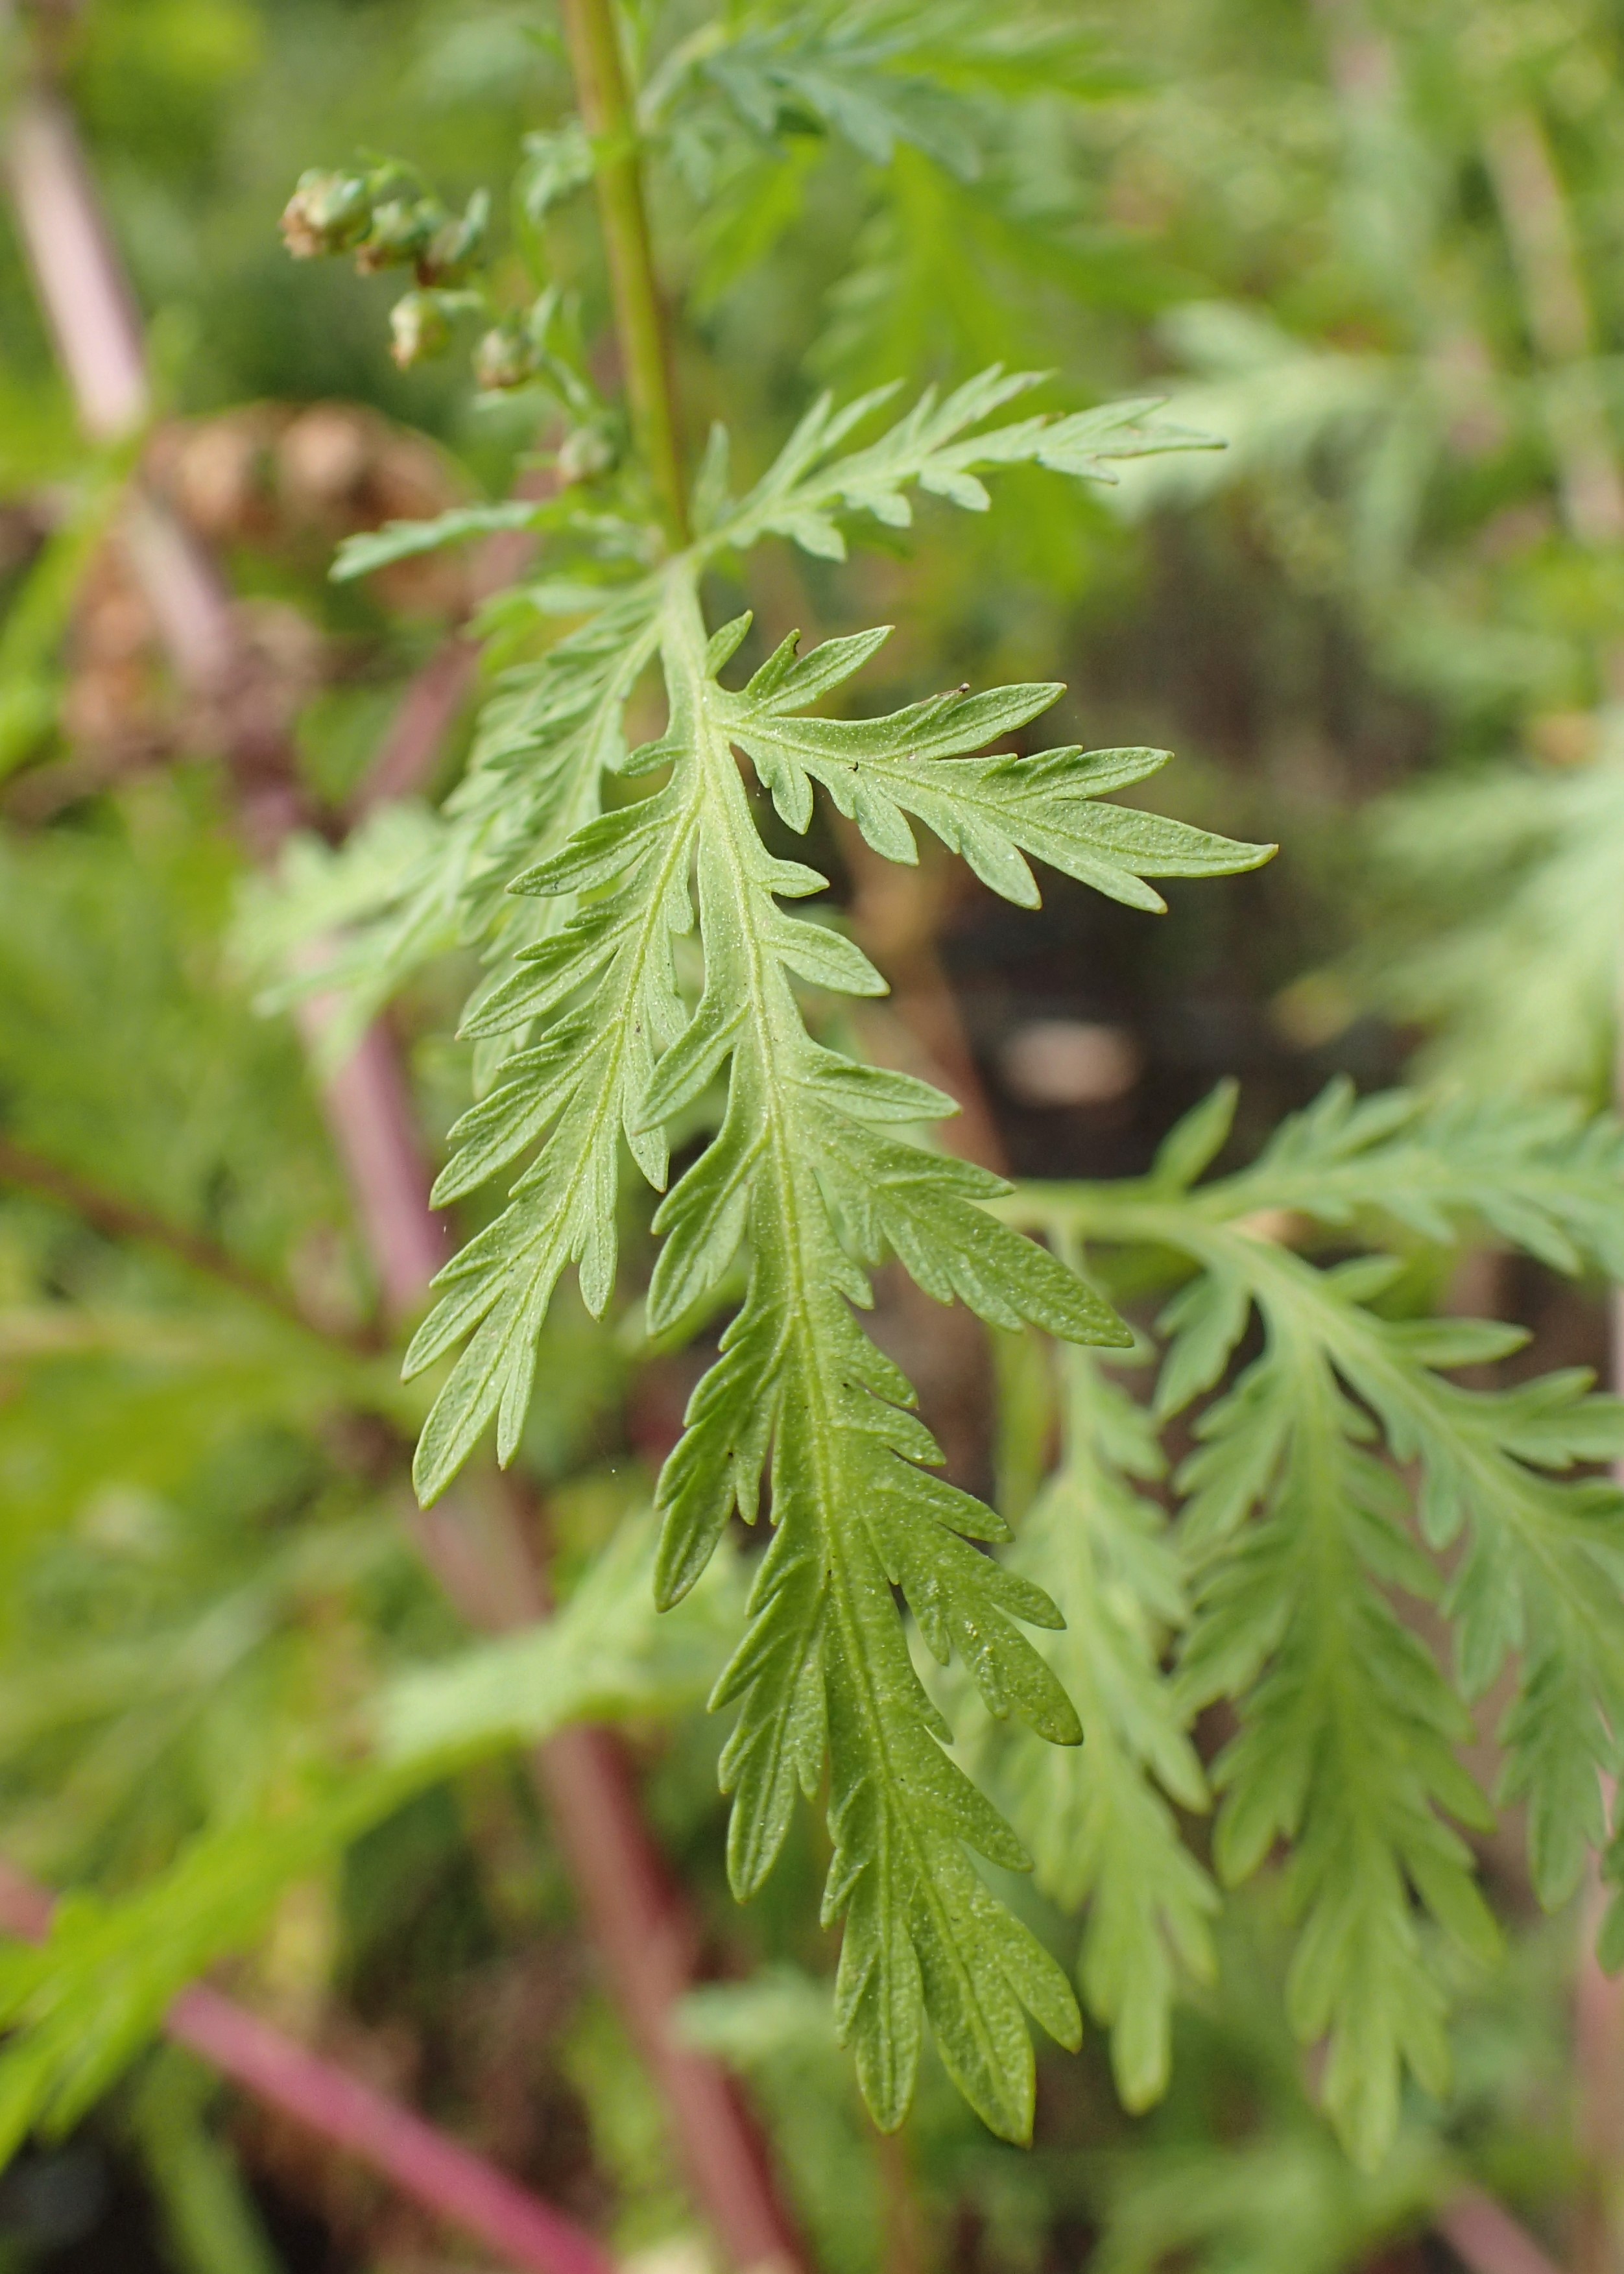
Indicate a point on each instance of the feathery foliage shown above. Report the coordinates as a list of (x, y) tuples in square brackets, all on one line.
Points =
[(211, 1669), (1296, 1534), (1099, 1820), (81, 2005), (594, 1047), (1525, 995), (804, 1170)]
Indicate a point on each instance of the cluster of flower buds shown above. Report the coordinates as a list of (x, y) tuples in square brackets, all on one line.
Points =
[(418, 233), (384, 216), (386, 219)]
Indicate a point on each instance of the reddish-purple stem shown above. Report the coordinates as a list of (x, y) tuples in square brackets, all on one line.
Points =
[(368, 1114), (447, 2180), (1487, 2240), (445, 2177), (642, 1927), (81, 286), (427, 713)]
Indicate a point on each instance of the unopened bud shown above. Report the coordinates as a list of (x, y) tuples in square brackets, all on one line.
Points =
[(419, 329), (584, 453), (456, 245), (399, 234), (504, 357), (328, 213)]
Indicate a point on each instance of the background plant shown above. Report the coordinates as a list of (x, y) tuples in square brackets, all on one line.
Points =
[(1063, 197)]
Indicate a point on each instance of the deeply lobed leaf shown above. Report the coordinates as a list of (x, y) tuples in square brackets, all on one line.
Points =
[(1299, 1540)]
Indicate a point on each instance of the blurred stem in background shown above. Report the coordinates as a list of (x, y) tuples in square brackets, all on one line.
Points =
[(201, 2199)]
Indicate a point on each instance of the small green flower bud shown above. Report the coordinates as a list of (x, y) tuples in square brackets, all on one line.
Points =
[(399, 234), (419, 329), (328, 213), (585, 453), (504, 357), (454, 246)]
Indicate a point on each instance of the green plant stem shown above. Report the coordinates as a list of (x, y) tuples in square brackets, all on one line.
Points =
[(640, 323)]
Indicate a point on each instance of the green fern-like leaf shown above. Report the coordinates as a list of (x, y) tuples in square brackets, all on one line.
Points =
[(1098, 1818), (1297, 1534), (554, 726), (1515, 874), (80, 2006), (805, 1172), (357, 923), (876, 76), (592, 1048), (404, 540), (606, 983), (943, 446)]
